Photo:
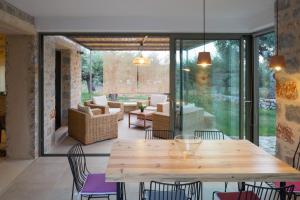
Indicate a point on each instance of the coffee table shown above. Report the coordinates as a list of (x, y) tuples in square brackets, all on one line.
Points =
[(142, 118)]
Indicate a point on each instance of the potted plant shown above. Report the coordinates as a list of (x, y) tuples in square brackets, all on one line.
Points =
[(142, 108)]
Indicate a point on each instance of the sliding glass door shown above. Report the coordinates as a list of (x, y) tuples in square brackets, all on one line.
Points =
[(208, 98), (266, 84)]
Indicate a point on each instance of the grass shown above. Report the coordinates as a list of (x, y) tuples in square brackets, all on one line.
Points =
[(227, 115)]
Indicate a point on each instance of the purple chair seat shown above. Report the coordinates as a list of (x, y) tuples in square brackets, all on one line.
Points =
[(235, 196), (296, 184), (95, 185)]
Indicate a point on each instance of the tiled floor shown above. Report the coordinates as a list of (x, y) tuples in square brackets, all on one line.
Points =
[(50, 179), (104, 146)]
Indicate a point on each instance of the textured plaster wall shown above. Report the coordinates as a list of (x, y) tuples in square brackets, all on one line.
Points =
[(288, 81), (71, 83), (22, 96)]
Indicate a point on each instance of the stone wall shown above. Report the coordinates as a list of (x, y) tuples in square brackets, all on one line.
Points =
[(71, 83), (288, 81)]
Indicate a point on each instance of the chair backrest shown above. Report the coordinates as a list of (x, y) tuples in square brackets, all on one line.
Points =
[(177, 191), (209, 135), (254, 192), (78, 166), (296, 158), (159, 134)]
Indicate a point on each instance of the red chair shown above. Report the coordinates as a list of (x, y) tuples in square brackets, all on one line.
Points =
[(296, 165), (253, 192)]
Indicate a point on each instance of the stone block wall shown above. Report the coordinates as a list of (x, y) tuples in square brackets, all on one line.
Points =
[(288, 81), (71, 83)]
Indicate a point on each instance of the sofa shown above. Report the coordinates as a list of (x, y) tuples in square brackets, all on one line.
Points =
[(107, 107), (92, 126)]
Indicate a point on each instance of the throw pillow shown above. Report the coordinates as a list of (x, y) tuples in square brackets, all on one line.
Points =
[(100, 100)]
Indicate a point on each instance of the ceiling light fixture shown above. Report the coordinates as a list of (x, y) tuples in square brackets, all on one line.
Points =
[(204, 58), (277, 62), (141, 60)]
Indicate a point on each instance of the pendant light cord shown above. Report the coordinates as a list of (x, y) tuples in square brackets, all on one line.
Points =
[(204, 33), (277, 21)]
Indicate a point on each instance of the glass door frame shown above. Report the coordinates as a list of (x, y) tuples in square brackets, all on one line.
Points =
[(241, 37)]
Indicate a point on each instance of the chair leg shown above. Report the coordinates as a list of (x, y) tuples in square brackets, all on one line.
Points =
[(226, 185), (72, 190)]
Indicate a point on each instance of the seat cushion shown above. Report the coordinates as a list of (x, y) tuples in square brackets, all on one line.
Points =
[(100, 100), (296, 184), (157, 98), (170, 195), (235, 196), (95, 184), (151, 108), (114, 110)]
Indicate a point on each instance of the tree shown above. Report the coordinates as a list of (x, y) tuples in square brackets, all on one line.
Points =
[(92, 67)]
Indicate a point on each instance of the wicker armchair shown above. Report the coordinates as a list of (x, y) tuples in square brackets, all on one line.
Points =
[(89, 129), (108, 109), (161, 106), (160, 121)]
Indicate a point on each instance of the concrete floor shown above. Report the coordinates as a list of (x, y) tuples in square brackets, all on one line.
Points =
[(49, 178)]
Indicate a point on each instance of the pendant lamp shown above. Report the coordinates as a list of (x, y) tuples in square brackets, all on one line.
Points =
[(204, 58), (141, 60), (277, 62)]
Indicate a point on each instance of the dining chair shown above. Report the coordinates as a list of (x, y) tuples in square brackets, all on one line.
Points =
[(87, 184), (170, 191), (209, 135), (255, 192), (151, 134), (296, 165)]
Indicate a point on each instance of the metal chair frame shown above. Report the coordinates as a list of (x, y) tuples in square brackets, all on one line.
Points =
[(162, 133), (252, 192), (169, 191), (209, 135), (80, 172)]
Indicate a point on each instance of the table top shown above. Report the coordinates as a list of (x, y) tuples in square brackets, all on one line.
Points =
[(225, 160), (138, 112)]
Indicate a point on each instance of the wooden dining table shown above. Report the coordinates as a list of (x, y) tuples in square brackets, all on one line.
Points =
[(212, 161)]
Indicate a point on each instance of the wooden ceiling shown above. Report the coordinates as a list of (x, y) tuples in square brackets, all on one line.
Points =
[(127, 43)]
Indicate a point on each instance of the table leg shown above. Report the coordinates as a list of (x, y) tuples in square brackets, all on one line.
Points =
[(144, 122), (129, 120), (120, 191), (282, 192)]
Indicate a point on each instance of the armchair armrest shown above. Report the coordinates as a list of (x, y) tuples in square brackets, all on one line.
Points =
[(113, 104), (96, 111), (104, 109), (163, 107)]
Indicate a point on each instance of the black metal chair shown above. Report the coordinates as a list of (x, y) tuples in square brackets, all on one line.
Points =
[(296, 165), (151, 134), (158, 134), (254, 192), (209, 135), (88, 185), (169, 191)]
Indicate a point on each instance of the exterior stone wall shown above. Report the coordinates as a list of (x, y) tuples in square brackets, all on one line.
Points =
[(288, 81), (71, 83)]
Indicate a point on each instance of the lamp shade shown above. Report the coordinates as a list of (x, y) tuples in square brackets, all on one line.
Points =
[(204, 59), (277, 62), (140, 60)]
